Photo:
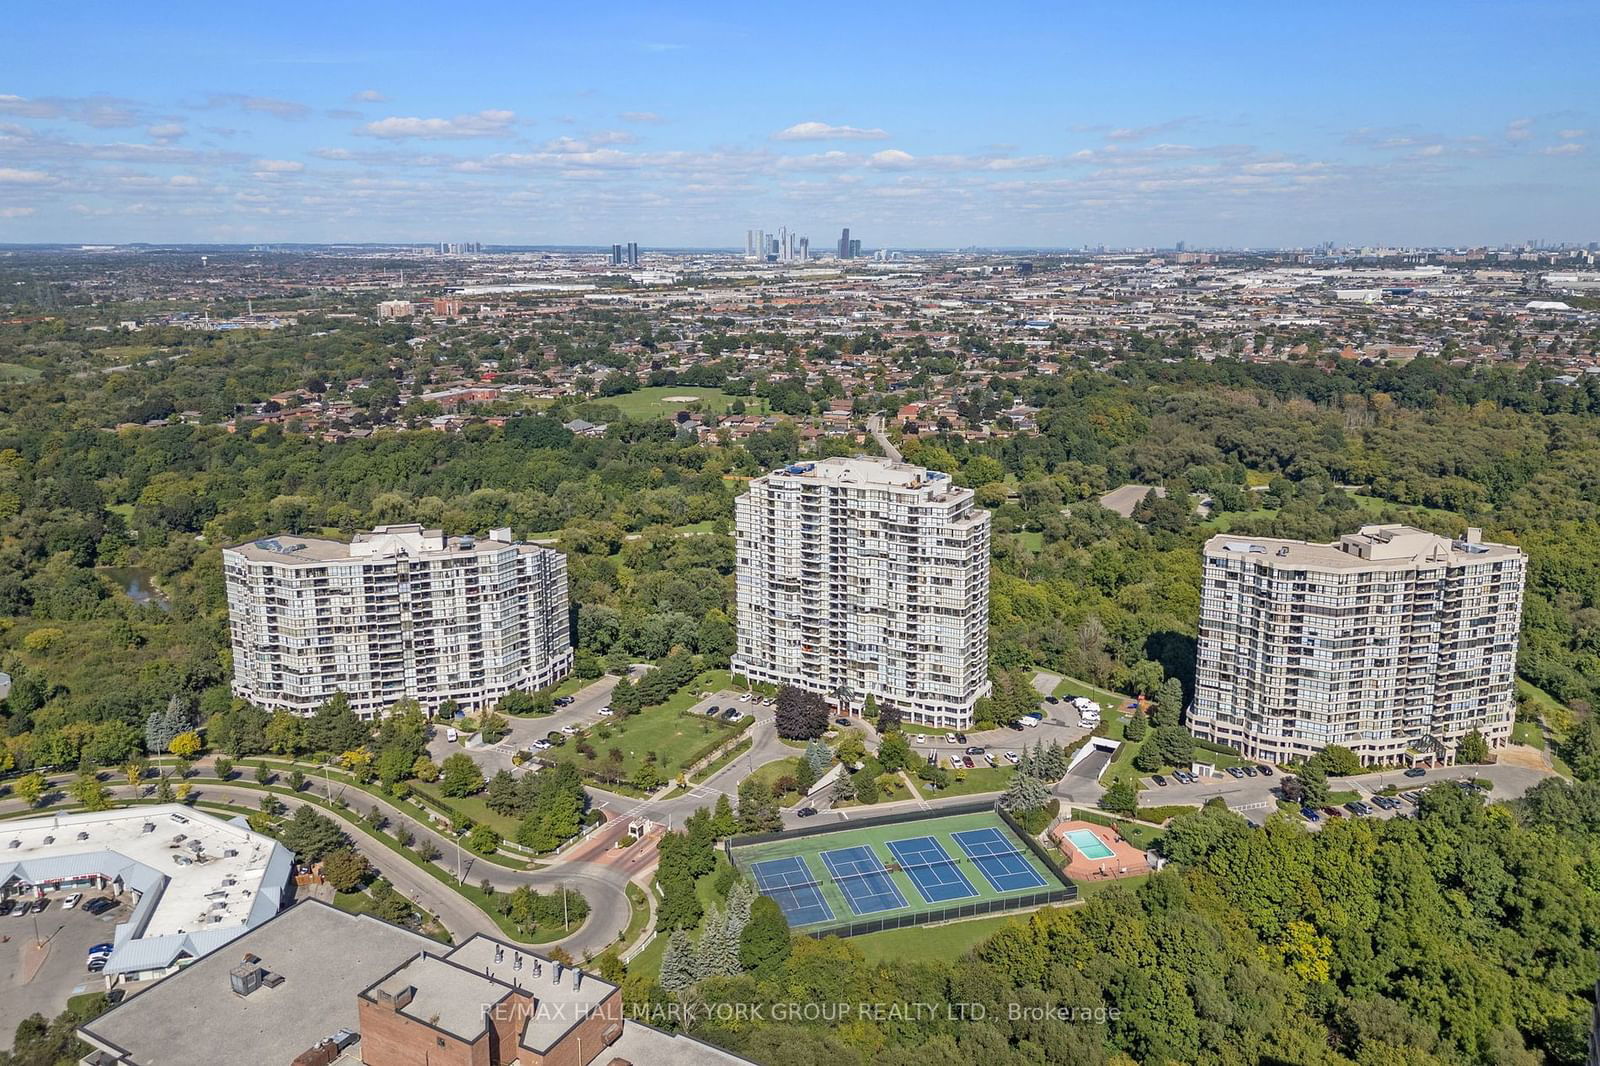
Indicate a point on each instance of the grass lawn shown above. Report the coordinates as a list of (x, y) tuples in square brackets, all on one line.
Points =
[(700, 529), (1377, 505), (768, 776), (472, 806), (1223, 521), (361, 903), (722, 761), (1032, 539), (638, 915), (1108, 700), (16, 372), (974, 781), (931, 943), (675, 738), (1094, 888), (1528, 733), (654, 403)]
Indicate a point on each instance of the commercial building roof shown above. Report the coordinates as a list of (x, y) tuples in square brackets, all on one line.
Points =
[(200, 881), (194, 1018)]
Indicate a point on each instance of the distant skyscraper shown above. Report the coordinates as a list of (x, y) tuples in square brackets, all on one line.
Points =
[(633, 253), (855, 249), (749, 242), (805, 248), (1180, 246), (616, 255), (844, 244)]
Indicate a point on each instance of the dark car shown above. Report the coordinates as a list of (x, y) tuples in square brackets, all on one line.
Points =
[(1052, 699), (805, 812), (100, 905), (966, 760), (960, 738), (1249, 771), (1160, 781), (40, 906), (1014, 726), (731, 714), (1416, 771), (1310, 814), (1266, 771), (974, 750), (841, 721), (6, 906), (562, 701), (1357, 807), (1333, 812), (713, 710)]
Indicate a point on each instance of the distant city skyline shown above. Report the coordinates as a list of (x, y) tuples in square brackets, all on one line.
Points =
[(1254, 126)]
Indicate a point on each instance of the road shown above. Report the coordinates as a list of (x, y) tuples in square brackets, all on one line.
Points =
[(602, 883), (582, 712), (875, 427)]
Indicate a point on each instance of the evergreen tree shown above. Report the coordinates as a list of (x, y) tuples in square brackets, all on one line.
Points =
[(1136, 728), (678, 963), (764, 943), (1024, 794), (717, 951), (819, 758), (1473, 748), (1169, 703), (722, 819), (1121, 798)]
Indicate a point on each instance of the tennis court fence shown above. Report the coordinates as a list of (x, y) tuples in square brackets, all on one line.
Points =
[(1063, 891)]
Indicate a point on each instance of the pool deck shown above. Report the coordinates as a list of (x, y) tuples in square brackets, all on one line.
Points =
[(1125, 861)]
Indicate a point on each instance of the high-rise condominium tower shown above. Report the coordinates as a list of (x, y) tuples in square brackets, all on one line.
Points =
[(861, 577), (1392, 642), (399, 613)]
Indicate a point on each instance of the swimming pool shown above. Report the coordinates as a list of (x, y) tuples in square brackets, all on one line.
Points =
[(1089, 845)]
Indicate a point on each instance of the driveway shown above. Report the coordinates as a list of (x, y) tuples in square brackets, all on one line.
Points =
[(582, 712)]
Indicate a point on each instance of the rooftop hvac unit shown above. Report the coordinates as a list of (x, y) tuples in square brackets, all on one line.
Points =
[(245, 979)]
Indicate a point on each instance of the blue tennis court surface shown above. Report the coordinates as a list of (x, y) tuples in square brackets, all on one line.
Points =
[(863, 880), (931, 869), (1006, 868), (790, 886)]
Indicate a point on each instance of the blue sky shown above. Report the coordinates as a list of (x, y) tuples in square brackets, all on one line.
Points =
[(916, 124)]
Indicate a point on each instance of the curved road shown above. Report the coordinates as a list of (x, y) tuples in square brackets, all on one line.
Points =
[(601, 883)]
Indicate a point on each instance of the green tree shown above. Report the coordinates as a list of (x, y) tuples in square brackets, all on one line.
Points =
[(345, 869), (1121, 798), (30, 787), (460, 776), (1474, 749), (1313, 784), (90, 792), (764, 942), (310, 834)]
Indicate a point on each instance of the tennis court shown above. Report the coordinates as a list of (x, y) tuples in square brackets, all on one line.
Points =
[(931, 869), (791, 887), (863, 880), (999, 860), (889, 872)]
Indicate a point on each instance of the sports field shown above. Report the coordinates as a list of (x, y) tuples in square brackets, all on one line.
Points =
[(896, 870)]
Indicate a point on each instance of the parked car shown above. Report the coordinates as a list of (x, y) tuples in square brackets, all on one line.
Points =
[(731, 714), (955, 762), (1011, 757), (1160, 781), (72, 901), (606, 712), (42, 905), (713, 711), (1249, 771), (100, 905), (1310, 814), (1416, 771), (841, 721), (966, 760), (99, 949), (1333, 812), (919, 738), (1236, 773), (988, 758), (451, 736), (805, 812), (974, 750), (570, 730), (24, 908), (97, 964), (1015, 727), (1052, 700), (959, 738), (1266, 771), (6, 906), (1357, 807), (541, 745)]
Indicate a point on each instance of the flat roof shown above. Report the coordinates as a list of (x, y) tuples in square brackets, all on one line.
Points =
[(232, 877), (1387, 547), (378, 543), (193, 1018), (868, 471), (558, 1004)]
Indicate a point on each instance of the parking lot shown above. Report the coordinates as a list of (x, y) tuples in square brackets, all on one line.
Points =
[(69, 935)]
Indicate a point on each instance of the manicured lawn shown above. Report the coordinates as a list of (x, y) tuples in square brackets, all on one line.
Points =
[(1376, 505), (768, 776), (931, 943), (700, 529), (1108, 700), (974, 781), (722, 761), (1528, 733), (1086, 889), (674, 737), (654, 403), (472, 806)]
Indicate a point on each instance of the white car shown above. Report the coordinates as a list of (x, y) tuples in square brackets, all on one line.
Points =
[(955, 762), (541, 745), (570, 730), (1011, 757), (919, 738), (744, 697), (451, 736), (606, 712), (72, 901)]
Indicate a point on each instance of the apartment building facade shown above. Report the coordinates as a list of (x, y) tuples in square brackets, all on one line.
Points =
[(861, 577), (1392, 641), (399, 613)]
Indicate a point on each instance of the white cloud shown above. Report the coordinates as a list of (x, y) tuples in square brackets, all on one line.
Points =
[(1519, 129), (892, 159), (265, 105), (368, 96), (1570, 148), (167, 131), (183, 181), (15, 212), (492, 123), (821, 131), (279, 166), (1570, 135), (13, 176), (641, 116)]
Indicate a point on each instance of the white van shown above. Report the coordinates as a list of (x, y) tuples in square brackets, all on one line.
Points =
[(451, 735), (1031, 721)]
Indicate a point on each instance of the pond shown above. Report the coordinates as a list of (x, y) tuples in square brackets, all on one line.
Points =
[(138, 583)]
